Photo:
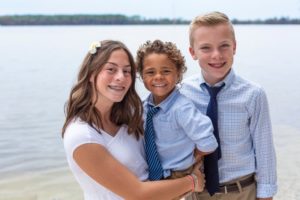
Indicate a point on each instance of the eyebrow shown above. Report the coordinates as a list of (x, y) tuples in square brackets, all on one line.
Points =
[(204, 44), (166, 66), (118, 65)]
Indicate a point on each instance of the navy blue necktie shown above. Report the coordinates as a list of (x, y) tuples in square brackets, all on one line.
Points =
[(154, 164), (211, 160)]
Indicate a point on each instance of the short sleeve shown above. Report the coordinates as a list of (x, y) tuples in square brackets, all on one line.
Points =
[(79, 133)]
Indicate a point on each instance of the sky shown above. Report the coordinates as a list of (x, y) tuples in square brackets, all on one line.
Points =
[(184, 9)]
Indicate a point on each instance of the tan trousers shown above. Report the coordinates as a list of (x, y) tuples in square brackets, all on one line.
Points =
[(180, 174), (247, 193)]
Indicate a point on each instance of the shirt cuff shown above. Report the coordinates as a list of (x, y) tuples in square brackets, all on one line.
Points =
[(266, 190), (208, 146)]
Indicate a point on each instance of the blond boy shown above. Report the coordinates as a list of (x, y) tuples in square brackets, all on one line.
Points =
[(247, 163)]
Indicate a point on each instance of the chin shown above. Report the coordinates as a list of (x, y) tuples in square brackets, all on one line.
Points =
[(117, 99), (222, 74)]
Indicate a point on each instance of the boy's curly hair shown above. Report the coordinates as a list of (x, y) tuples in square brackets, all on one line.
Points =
[(159, 47)]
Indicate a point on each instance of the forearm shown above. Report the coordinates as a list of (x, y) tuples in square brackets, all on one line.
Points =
[(167, 189), (94, 160), (261, 130), (265, 168)]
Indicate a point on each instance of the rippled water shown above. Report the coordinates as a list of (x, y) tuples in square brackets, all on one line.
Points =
[(39, 64)]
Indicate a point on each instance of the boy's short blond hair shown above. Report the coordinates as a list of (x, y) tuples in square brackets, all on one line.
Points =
[(209, 19)]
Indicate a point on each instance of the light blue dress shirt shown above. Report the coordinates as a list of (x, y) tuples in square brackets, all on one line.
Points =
[(244, 129), (180, 128)]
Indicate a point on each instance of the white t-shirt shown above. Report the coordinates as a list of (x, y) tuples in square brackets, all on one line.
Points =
[(125, 148)]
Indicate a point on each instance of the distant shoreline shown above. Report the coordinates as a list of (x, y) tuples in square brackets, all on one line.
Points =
[(32, 20)]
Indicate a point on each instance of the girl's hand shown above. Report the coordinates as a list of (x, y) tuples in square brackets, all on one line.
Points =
[(198, 155), (200, 182)]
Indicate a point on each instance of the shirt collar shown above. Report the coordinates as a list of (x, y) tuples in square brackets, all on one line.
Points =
[(227, 80), (165, 104)]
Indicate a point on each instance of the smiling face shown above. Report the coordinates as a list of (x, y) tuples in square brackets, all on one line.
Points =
[(114, 79), (160, 76), (214, 48)]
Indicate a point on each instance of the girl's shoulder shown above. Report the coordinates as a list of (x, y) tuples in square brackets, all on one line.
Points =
[(79, 132)]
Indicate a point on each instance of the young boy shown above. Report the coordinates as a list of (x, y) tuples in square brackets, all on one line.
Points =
[(247, 163), (178, 126)]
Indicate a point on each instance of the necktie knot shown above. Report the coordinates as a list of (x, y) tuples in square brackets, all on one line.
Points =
[(152, 111), (213, 91)]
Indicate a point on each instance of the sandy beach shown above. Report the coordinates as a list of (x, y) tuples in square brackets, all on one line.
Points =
[(59, 184), (53, 185), (288, 161)]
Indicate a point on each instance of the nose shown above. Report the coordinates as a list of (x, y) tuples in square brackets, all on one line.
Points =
[(216, 54), (158, 76), (120, 75)]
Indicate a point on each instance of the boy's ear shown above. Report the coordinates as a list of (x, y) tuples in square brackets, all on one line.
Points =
[(178, 76), (234, 47), (192, 52)]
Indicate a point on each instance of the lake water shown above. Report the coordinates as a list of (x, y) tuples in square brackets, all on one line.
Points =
[(38, 67)]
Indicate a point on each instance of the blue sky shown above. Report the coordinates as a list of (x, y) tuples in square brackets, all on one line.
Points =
[(185, 9)]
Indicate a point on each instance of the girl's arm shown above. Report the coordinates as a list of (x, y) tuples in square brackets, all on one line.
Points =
[(100, 165)]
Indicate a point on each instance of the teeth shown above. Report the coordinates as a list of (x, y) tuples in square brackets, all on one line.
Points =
[(116, 87), (159, 85), (217, 64)]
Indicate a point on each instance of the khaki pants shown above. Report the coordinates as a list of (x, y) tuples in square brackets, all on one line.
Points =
[(247, 193), (180, 174)]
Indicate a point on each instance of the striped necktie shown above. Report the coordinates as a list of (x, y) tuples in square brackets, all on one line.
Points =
[(211, 160), (154, 164)]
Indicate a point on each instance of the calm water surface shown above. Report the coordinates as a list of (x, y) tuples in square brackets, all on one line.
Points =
[(38, 67)]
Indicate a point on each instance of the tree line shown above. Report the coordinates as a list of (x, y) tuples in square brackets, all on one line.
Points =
[(12, 20)]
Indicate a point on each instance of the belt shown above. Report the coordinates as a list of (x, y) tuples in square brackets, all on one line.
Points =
[(236, 186)]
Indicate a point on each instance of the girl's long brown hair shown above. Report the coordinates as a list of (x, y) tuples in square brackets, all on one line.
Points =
[(81, 103)]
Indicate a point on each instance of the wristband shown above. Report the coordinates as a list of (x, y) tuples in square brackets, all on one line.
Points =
[(193, 182)]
